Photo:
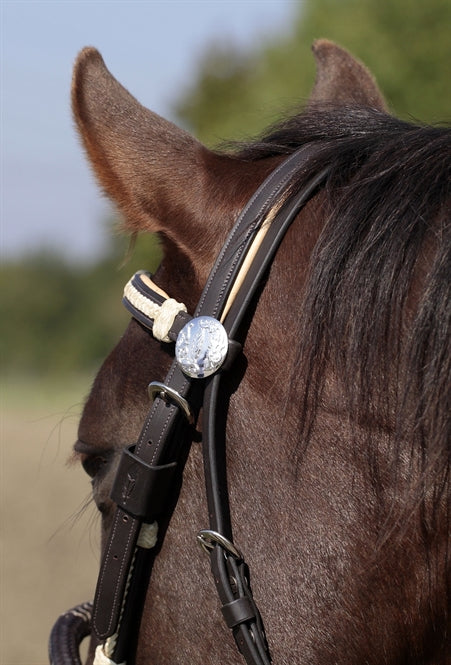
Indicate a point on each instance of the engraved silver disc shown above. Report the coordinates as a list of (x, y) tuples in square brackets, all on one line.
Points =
[(201, 347)]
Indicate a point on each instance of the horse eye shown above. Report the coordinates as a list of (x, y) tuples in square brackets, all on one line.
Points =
[(93, 464), (94, 460)]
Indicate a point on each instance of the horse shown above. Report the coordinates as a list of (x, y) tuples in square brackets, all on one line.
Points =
[(335, 413)]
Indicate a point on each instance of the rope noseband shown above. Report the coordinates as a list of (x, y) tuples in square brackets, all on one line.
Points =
[(149, 474)]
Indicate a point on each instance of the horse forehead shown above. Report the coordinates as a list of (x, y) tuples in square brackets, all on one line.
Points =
[(184, 272), (194, 235)]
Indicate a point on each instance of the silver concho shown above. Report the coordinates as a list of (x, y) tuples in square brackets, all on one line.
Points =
[(201, 347)]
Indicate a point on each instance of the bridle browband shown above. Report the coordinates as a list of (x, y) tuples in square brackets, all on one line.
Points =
[(148, 478)]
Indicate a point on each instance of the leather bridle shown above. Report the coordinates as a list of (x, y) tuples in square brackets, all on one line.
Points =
[(148, 479)]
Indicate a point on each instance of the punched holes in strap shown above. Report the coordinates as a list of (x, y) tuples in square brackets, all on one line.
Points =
[(139, 488)]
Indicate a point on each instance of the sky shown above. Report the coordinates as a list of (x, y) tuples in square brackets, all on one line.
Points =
[(49, 199)]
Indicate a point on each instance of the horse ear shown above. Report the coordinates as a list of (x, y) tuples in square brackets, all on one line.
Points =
[(342, 79), (152, 169)]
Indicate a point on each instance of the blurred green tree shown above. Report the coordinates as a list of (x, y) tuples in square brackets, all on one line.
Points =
[(58, 317), (405, 44)]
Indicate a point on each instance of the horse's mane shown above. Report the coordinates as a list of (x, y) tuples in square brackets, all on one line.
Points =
[(376, 307)]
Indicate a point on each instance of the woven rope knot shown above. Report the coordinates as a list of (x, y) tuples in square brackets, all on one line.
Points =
[(164, 320), (102, 659), (148, 535), (163, 315)]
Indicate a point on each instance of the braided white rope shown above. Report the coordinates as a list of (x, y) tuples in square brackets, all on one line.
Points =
[(148, 535), (165, 319), (163, 315), (101, 658)]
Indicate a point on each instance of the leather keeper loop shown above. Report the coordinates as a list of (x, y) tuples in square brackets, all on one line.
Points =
[(140, 489), (235, 348), (238, 611)]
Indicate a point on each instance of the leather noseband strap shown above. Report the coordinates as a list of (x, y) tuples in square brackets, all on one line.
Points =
[(149, 475)]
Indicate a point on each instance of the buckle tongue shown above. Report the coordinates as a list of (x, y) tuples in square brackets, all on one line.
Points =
[(169, 395), (207, 539)]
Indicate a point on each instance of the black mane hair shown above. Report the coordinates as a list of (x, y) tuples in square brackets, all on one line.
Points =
[(377, 307)]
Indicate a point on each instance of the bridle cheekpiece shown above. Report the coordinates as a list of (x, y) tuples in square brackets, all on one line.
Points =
[(149, 472)]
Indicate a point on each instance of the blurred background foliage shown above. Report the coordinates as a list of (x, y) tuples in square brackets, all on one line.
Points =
[(404, 43), (59, 317)]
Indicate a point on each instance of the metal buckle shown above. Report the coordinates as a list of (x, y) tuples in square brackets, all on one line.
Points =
[(170, 396), (207, 539)]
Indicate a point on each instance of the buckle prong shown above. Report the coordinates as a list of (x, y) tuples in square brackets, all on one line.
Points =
[(207, 539), (170, 396)]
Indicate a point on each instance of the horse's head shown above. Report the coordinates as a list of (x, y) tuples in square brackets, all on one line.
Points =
[(165, 181), (321, 482)]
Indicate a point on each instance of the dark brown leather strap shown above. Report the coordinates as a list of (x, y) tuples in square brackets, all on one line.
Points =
[(156, 447), (165, 437), (238, 604)]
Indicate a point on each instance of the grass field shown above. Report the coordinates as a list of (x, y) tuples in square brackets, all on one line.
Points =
[(49, 543)]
